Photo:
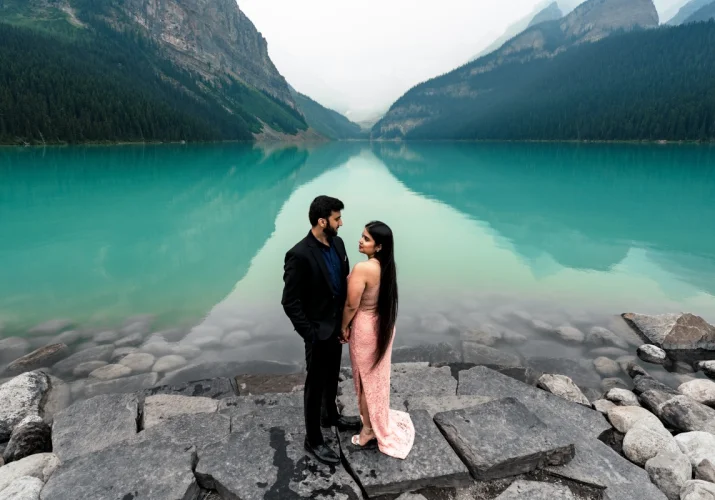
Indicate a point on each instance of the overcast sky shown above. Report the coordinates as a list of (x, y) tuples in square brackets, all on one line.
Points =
[(358, 57)]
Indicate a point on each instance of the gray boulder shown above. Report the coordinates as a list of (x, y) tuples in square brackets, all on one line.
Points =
[(563, 386), (32, 435), (502, 438), (686, 414), (681, 331), (705, 471), (623, 418), (622, 397), (168, 363), (147, 469), (697, 446), (23, 488), (629, 491), (198, 429), (669, 471), (707, 367), (29, 394), (701, 390), (41, 466), (652, 354), (94, 424), (39, 358), (698, 490), (97, 353), (570, 334), (643, 442), (612, 383)]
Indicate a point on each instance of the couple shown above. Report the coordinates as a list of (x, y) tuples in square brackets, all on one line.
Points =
[(328, 308)]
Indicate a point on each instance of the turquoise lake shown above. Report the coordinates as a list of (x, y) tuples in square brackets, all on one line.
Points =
[(196, 234)]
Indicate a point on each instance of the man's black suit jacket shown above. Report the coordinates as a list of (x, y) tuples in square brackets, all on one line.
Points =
[(308, 296)]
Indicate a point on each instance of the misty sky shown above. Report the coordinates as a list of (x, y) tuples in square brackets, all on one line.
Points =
[(359, 57)]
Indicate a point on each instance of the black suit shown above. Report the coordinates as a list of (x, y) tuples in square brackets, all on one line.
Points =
[(316, 310)]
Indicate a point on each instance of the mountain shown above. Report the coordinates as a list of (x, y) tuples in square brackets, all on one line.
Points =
[(147, 70), (589, 22), (688, 10), (510, 32), (327, 122), (640, 85), (550, 13), (704, 14), (671, 11)]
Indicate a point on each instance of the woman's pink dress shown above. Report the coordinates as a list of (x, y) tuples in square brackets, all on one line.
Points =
[(393, 429)]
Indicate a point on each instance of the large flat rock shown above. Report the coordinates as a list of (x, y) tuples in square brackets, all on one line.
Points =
[(238, 406), (93, 424), (199, 430), (147, 470), (431, 462), (264, 458), (162, 407), (502, 438), (680, 331), (594, 464), (416, 379), (133, 383), (432, 353), (551, 409)]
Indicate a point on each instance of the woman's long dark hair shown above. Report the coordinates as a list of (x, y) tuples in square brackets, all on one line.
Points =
[(387, 300)]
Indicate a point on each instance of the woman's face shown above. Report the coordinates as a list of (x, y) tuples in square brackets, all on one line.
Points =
[(367, 244)]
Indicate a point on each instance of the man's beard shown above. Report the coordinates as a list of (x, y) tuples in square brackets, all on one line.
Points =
[(330, 232)]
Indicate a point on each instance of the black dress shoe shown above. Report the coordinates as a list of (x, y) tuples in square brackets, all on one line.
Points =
[(322, 453), (343, 423)]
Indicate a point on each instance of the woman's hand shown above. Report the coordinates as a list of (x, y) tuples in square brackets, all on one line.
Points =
[(345, 335)]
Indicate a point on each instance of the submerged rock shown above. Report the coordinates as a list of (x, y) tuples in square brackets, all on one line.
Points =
[(570, 334), (606, 366), (110, 372), (138, 362), (51, 327), (97, 353), (480, 354), (39, 358), (603, 336), (12, 348)]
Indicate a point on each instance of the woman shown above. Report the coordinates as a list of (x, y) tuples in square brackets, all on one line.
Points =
[(369, 326)]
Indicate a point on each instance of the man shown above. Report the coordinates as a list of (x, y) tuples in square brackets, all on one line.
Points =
[(315, 277)]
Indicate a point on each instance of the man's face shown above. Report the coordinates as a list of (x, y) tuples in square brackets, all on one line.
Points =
[(332, 224)]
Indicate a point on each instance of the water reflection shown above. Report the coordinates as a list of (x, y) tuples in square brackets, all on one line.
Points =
[(100, 233)]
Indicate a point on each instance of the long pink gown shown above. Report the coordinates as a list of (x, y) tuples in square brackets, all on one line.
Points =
[(393, 429)]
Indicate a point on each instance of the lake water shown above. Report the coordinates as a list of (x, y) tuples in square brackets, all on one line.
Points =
[(485, 233)]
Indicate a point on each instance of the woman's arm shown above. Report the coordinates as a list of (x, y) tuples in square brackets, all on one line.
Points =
[(356, 286)]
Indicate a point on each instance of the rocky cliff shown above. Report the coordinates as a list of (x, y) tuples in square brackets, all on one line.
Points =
[(210, 37)]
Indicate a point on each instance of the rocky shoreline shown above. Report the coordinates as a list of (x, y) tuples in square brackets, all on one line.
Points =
[(488, 427)]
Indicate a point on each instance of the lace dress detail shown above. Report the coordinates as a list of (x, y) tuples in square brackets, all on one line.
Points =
[(394, 429)]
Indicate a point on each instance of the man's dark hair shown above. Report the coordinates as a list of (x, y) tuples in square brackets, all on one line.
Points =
[(322, 207)]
